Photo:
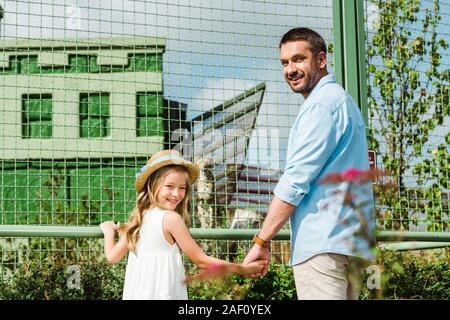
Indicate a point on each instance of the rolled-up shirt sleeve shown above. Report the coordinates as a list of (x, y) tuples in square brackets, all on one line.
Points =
[(313, 139)]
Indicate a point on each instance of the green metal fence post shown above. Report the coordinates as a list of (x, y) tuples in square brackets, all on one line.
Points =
[(349, 50)]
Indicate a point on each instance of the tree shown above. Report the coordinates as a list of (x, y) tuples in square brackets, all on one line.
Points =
[(408, 97)]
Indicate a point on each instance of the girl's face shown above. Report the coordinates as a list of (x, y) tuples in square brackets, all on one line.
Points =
[(172, 190)]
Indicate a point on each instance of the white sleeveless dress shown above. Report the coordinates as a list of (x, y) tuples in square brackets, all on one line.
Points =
[(155, 271)]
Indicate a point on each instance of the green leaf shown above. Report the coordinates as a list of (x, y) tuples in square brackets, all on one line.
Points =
[(389, 63)]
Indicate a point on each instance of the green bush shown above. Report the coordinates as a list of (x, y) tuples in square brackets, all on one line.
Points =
[(414, 275), (277, 284), (54, 279), (405, 275)]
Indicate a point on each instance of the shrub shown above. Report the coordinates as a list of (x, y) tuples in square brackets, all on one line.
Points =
[(405, 275), (421, 274), (52, 279)]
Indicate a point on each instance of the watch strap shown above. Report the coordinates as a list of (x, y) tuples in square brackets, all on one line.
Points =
[(263, 243)]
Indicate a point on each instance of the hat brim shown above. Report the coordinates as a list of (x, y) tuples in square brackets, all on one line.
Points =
[(193, 171)]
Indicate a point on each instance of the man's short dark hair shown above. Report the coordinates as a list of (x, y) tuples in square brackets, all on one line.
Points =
[(315, 40)]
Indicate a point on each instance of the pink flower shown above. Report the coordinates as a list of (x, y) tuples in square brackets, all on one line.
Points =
[(353, 175)]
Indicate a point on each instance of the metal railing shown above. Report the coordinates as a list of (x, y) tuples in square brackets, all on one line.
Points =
[(403, 240)]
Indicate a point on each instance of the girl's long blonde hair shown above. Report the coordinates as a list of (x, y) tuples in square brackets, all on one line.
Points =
[(147, 199)]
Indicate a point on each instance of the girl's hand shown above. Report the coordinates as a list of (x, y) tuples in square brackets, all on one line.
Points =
[(254, 268), (109, 228)]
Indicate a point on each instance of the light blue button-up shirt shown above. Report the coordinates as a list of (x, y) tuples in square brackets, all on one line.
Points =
[(328, 136)]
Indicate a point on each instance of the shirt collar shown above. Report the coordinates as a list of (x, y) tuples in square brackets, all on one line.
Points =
[(329, 78)]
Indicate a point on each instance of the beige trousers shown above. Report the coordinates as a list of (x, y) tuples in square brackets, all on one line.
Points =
[(328, 276)]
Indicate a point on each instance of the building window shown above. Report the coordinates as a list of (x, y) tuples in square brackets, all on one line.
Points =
[(149, 114), (37, 112), (94, 115)]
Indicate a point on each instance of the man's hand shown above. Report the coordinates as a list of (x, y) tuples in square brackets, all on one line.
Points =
[(258, 253), (279, 213)]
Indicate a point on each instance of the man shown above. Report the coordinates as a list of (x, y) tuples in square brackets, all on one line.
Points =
[(328, 136)]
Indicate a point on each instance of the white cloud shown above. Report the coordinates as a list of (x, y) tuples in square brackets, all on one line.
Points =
[(217, 91)]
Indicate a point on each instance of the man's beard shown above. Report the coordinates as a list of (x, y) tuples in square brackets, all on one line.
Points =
[(309, 85), (306, 88)]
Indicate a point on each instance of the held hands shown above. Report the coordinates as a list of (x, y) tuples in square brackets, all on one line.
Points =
[(256, 253), (220, 271), (109, 228), (254, 268)]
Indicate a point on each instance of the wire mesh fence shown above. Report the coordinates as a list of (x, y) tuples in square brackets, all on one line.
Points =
[(409, 126), (91, 89)]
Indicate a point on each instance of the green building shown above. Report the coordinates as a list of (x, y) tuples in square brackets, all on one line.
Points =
[(78, 117)]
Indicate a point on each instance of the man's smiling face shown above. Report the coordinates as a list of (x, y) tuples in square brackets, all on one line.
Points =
[(302, 68)]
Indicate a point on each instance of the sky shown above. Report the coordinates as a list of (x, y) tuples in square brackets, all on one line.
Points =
[(215, 49)]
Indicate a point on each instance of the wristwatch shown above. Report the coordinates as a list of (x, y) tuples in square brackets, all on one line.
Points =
[(261, 242)]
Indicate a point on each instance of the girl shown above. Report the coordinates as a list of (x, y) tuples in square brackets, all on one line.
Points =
[(157, 229)]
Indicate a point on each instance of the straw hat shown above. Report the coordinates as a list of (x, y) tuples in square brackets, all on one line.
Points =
[(161, 159)]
